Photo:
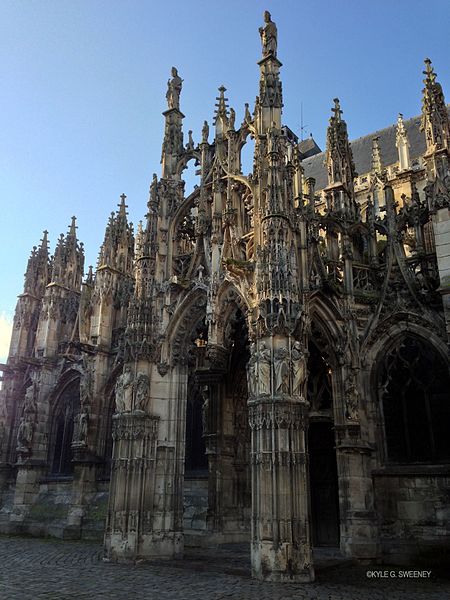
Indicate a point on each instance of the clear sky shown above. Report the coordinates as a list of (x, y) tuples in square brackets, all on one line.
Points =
[(84, 83)]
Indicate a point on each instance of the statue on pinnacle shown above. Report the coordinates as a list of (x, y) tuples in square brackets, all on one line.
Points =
[(174, 86), (268, 35)]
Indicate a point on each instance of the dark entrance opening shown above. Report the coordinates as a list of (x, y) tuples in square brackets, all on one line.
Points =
[(323, 481)]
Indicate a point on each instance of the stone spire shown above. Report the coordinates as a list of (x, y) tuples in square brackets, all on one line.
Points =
[(377, 163), (435, 120), (118, 245), (402, 143), (172, 147), (37, 273), (339, 156), (140, 334), (68, 261)]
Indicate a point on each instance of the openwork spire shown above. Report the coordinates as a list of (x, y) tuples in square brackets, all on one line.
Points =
[(339, 156), (435, 120), (68, 261), (118, 244), (37, 273)]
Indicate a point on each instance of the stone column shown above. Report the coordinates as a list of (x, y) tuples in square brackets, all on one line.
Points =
[(281, 547), (358, 520), (129, 529)]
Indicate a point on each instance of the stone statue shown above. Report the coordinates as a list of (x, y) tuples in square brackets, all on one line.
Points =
[(30, 400), (81, 428), (124, 389), (142, 392), (25, 433), (190, 144), (252, 372), (351, 397), (264, 367), (281, 371), (298, 370), (268, 35), (232, 118), (247, 115), (205, 132), (86, 383), (205, 408), (174, 86)]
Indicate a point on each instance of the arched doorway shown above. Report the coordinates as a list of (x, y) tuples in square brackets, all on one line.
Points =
[(217, 482), (66, 408), (323, 477)]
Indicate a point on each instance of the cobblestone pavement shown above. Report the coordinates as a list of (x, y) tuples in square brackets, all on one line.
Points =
[(36, 569)]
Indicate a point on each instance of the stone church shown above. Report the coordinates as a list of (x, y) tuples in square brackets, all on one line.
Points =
[(264, 360)]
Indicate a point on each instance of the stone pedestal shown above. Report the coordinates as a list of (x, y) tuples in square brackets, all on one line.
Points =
[(29, 475), (132, 531), (359, 527)]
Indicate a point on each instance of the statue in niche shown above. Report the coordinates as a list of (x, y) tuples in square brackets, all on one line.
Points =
[(252, 372), (281, 371), (30, 400), (351, 395), (204, 392), (268, 35), (142, 385), (81, 428), (25, 433), (124, 390), (86, 383), (174, 86), (298, 370), (264, 368)]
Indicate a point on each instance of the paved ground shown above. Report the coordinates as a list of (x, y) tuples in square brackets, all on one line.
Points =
[(36, 569)]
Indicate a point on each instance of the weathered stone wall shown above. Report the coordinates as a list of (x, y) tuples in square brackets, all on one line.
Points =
[(414, 515)]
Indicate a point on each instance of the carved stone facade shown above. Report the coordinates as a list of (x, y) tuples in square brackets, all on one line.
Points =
[(264, 360)]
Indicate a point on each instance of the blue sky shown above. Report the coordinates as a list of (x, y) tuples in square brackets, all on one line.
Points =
[(84, 83)]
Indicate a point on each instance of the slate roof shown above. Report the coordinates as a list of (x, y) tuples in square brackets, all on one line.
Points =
[(362, 151)]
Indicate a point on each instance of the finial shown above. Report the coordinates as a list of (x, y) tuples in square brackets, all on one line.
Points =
[(73, 227), (376, 155), (337, 109)]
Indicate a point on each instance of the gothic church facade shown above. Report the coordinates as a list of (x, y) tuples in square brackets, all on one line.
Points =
[(264, 360)]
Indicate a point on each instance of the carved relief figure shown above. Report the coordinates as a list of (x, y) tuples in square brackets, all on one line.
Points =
[(81, 428), (268, 35), (264, 367), (174, 86), (351, 397), (124, 390), (281, 371), (252, 372), (142, 391), (298, 370)]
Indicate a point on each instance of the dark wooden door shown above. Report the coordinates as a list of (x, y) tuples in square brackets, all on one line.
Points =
[(323, 485)]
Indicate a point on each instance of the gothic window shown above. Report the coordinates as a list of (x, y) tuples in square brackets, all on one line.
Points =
[(414, 386), (66, 408)]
